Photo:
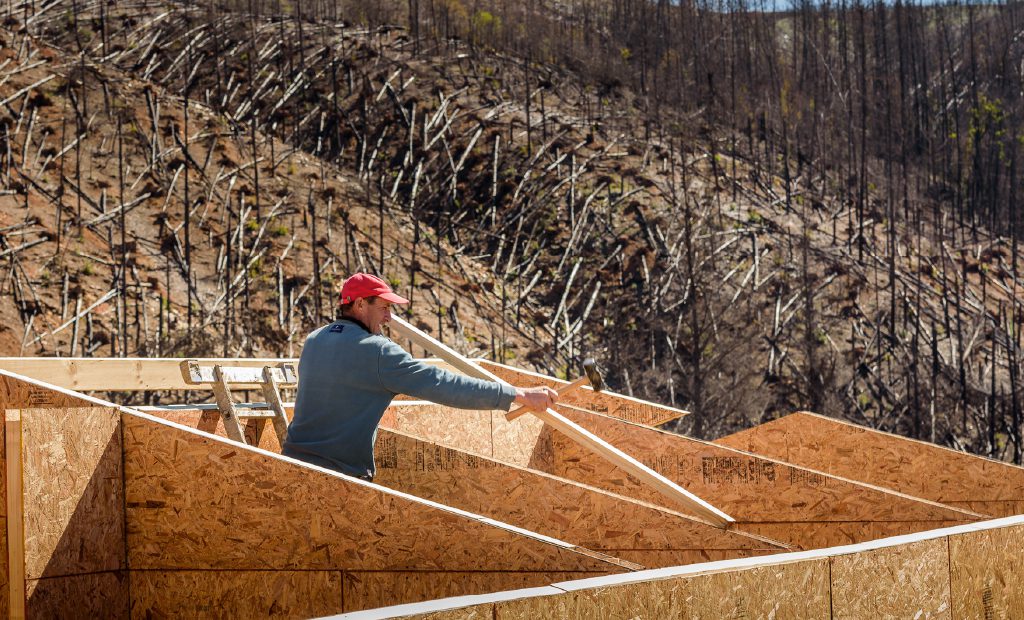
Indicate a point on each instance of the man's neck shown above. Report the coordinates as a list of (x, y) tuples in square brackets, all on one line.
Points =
[(357, 322)]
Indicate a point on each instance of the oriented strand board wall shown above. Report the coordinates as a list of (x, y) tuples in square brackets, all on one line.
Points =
[(458, 428), (645, 534), (913, 467), (198, 503), (21, 393), (771, 498), (609, 403), (960, 574), (73, 507), (907, 581), (797, 590), (987, 571)]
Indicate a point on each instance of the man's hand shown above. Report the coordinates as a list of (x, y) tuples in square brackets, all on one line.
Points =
[(536, 399)]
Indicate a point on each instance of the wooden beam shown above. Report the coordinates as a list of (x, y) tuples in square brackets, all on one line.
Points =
[(193, 372), (85, 374), (609, 403), (670, 490), (15, 511)]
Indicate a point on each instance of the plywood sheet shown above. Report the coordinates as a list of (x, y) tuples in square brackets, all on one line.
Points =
[(905, 581), (73, 496), (97, 595), (196, 502), (18, 394), (822, 534), (609, 403), (259, 432), (987, 573), (751, 489), (459, 428), (519, 442), (794, 590), (553, 506), (370, 589), (906, 465), (235, 594)]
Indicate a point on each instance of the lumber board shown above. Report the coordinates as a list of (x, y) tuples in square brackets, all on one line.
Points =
[(194, 372), (666, 487), (987, 573), (235, 594), (96, 595), (73, 495), (14, 540), (199, 502), (609, 403), (906, 465), (643, 533), (371, 589), (906, 581), (776, 496), (115, 374)]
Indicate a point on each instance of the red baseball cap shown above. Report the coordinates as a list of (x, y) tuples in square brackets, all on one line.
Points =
[(365, 285)]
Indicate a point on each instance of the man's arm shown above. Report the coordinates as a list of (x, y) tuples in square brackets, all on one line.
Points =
[(400, 373)]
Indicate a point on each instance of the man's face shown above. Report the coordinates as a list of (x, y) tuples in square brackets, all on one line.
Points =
[(374, 312)]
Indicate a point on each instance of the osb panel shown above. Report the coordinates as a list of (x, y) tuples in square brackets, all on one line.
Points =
[(608, 403), (259, 432), (366, 590), (97, 595), (655, 558), (987, 572), (73, 505), (519, 442), (17, 394), (797, 590), (196, 502), (821, 534), (553, 506), (912, 467), (235, 594), (749, 488), (649, 599), (906, 581), (458, 428)]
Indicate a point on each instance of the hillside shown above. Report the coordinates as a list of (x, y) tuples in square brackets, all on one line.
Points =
[(534, 210)]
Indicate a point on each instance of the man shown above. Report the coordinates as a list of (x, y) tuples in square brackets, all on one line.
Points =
[(349, 373)]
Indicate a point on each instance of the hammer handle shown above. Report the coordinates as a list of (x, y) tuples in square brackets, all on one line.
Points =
[(562, 391)]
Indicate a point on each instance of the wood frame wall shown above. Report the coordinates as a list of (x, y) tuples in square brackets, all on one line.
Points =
[(972, 571), (127, 506), (622, 527), (794, 505), (906, 465)]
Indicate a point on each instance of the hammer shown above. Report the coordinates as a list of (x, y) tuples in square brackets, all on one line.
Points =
[(591, 375)]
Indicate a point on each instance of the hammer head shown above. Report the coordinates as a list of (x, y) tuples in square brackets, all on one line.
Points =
[(593, 374)]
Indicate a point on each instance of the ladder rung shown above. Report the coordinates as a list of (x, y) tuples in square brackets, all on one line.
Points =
[(241, 413)]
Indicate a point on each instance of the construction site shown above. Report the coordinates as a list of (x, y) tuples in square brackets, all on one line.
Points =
[(744, 213), (154, 511)]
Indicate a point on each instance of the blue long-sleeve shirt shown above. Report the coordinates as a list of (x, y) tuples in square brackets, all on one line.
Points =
[(347, 379)]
